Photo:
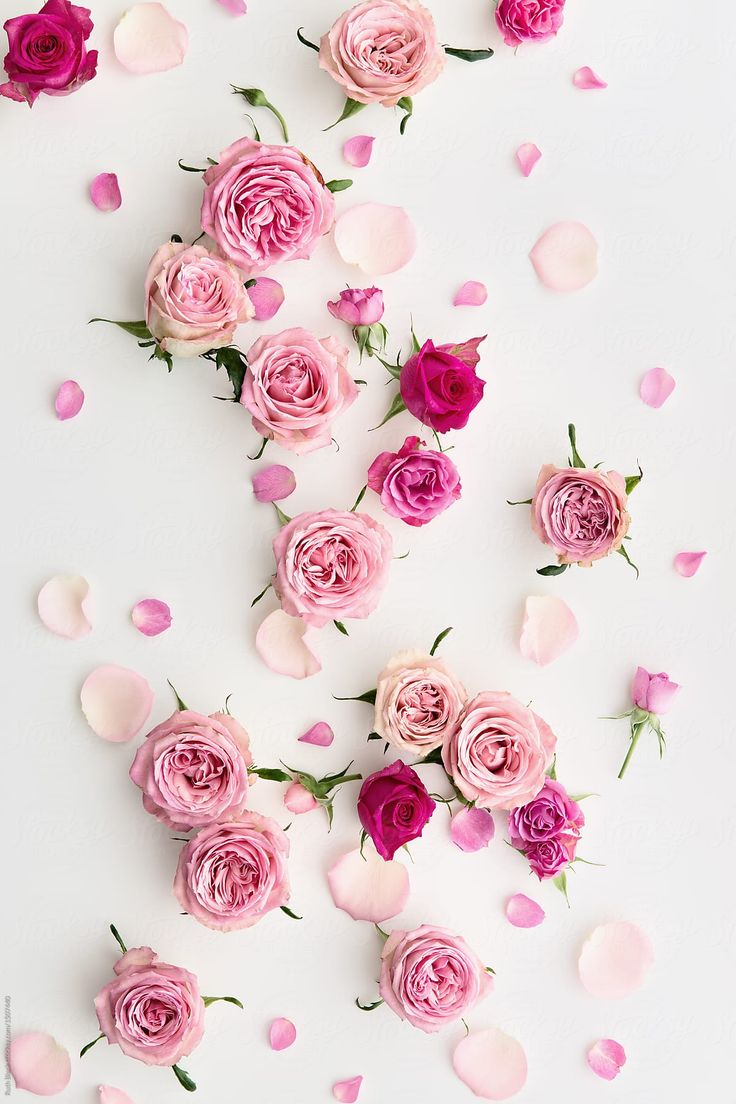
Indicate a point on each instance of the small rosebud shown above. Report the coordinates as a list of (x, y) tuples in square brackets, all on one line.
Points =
[(358, 307), (655, 693)]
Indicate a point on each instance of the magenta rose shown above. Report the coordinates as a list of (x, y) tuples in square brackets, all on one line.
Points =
[(580, 512), (430, 977), (358, 307), (47, 52), (439, 384), (193, 770), (393, 807), (549, 857), (552, 813), (529, 20), (153, 1011), (330, 565), (415, 483), (380, 51), (655, 693), (230, 875), (265, 204), (418, 702), (295, 387)]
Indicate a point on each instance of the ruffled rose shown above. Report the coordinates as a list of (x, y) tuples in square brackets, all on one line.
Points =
[(580, 512), (529, 20), (550, 857), (550, 814), (439, 384), (418, 702), (47, 52), (415, 483), (394, 807)]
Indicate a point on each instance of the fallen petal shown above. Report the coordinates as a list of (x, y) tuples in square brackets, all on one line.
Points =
[(586, 78), (687, 563), (549, 629), (522, 912), (472, 294), (282, 642), (274, 483), (367, 887), (151, 616), (566, 256), (69, 400), (377, 238), (472, 828), (347, 1091), (149, 40), (105, 192), (235, 7), (39, 1064), (319, 734), (615, 960), (281, 1034), (298, 799), (656, 387), (109, 1095), (527, 155), (116, 702), (606, 1057), (357, 151), (63, 606), (491, 1063), (267, 297)]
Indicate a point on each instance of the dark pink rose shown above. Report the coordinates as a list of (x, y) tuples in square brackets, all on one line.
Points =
[(581, 513), (548, 858), (394, 806), (550, 814), (655, 693), (529, 20), (47, 52), (439, 384), (358, 307), (415, 483)]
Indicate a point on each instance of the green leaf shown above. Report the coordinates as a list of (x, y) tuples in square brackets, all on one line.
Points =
[(633, 481), (393, 370), (89, 1046), (577, 461), (179, 703), (284, 519), (259, 596), (270, 774), (560, 882), (305, 41), (228, 1000), (256, 97), (137, 329), (407, 106), (338, 185), (396, 407), (581, 796), (184, 1079), (117, 938), (552, 772), (374, 736), (469, 55), (439, 639), (622, 552), (288, 912), (368, 1007), (520, 502), (434, 756), (235, 364), (352, 107), (259, 454), (369, 697), (250, 283), (359, 499), (190, 168), (341, 628), (553, 569)]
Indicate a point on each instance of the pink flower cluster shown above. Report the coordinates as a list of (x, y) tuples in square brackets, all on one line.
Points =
[(546, 830)]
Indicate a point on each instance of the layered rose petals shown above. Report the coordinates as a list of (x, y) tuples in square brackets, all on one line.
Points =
[(522, 912), (151, 616), (656, 387), (273, 484), (281, 1034), (320, 734), (527, 156), (367, 887), (357, 151), (39, 1064), (586, 79), (472, 828), (149, 40), (491, 1063), (283, 643), (347, 1092), (688, 563), (549, 629), (471, 294), (378, 238), (104, 191), (267, 297), (605, 1058), (565, 258), (116, 702), (63, 606), (615, 960), (69, 400)]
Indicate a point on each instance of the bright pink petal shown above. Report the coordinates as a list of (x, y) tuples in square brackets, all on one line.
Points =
[(357, 151), (367, 887), (656, 387), (63, 606), (149, 40), (527, 155), (267, 297), (151, 616), (615, 960), (235, 7), (377, 238), (273, 484), (283, 643), (105, 192), (522, 912), (687, 563), (319, 734), (472, 828), (347, 1091), (298, 799), (472, 294), (586, 78), (606, 1057), (109, 1095), (116, 702), (281, 1034), (491, 1064), (39, 1064), (566, 257), (549, 629), (69, 400)]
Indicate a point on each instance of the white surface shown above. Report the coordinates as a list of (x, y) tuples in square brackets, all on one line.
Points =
[(147, 493)]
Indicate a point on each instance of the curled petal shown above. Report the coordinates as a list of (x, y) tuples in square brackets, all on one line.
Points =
[(606, 1057), (151, 616), (281, 1034), (274, 483), (565, 258), (63, 606), (149, 40), (549, 629), (104, 192), (522, 912), (368, 888), (347, 1091), (357, 151), (319, 734), (491, 1063), (235, 7), (116, 702), (377, 238), (69, 400), (283, 643), (472, 828), (687, 563), (472, 294), (298, 799), (267, 297), (109, 1095), (586, 78), (39, 1064), (527, 155), (615, 960), (656, 387)]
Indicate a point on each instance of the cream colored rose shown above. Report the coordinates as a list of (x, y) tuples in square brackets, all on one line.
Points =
[(418, 702)]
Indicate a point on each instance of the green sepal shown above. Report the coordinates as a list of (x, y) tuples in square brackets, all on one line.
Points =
[(552, 569), (633, 481), (184, 1079), (359, 499), (560, 882), (397, 406), (439, 639), (89, 1046), (228, 1000), (407, 106), (118, 939), (270, 774), (468, 55), (259, 596), (284, 519), (290, 914), (305, 41), (182, 708), (341, 628), (338, 185), (138, 330), (577, 460), (622, 552), (369, 697), (190, 168), (260, 452), (368, 1007), (352, 107), (520, 502)]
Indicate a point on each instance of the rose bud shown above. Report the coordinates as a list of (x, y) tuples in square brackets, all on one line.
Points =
[(358, 307), (652, 695), (393, 807)]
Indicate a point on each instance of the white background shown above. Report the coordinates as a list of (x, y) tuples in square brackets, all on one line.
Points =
[(147, 493)]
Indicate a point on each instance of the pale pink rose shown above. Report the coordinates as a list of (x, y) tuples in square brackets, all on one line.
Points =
[(295, 387), (330, 565), (655, 693), (529, 20), (265, 204), (358, 306), (230, 875), (418, 702), (430, 977), (580, 512), (194, 299), (499, 751)]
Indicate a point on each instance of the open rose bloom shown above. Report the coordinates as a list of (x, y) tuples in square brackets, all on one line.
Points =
[(47, 52), (547, 829), (581, 513), (440, 385), (529, 20), (416, 483), (418, 702), (393, 807)]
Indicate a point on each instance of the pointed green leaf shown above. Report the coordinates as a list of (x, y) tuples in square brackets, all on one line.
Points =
[(259, 454), (338, 185), (368, 1007), (439, 639), (270, 774), (359, 499), (228, 1000), (89, 1046), (633, 481), (622, 552), (577, 460), (190, 168), (469, 55), (369, 697), (117, 938), (560, 882), (553, 569), (137, 329), (291, 914), (284, 519), (341, 628), (396, 407), (179, 703), (407, 106), (184, 1079), (352, 107), (259, 596), (305, 41)]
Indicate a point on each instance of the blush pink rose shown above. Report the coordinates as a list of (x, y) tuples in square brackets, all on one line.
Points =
[(265, 204), (358, 306), (430, 977), (331, 565), (47, 52), (418, 702), (655, 693), (499, 751), (382, 50), (230, 875), (415, 483), (580, 513), (529, 20), (295, 387)]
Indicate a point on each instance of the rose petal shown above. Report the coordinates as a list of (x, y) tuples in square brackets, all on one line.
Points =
[(116, 702), (368, 888), (298, 799), (319, 734), (105, 192), (109, 1095), (347, 1091), (235, 7), (39, 1064), (149, 40), (565, 258), (687, 563), (357, 151), (283, 643), (606, 1057), (472, 294), (69, 400), (615, 959), (522, 912), (656, 387), (549, 629), (491, 1064), (63, 606), (281, 1034), (527, 155), (267, 297), (586, 78), (274, 483), (472, 828), (377, 238), (151, 616)]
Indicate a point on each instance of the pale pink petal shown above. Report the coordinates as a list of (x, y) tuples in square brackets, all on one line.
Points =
[(273, 484), (151, 616), (298, 799), (522, 912), (367, 887), (586, 78), (149, 40), (566, 256), (69, 400), (235, 7), (63, 606), (687, 563), (656, 387), (105, 192), (527, 155), (606, 1057), (615, 959), (549, 629), (472, 828), (319, 734), (491, 1063), (377, 238), (116, 702), (267, 297), (357, 151), (283, 643), (281, 1034), (347, 1091), (472, 294), (109, 1095), (39, 1064)]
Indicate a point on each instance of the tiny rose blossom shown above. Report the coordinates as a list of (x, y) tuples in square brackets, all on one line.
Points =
[(439, 384), (529, 20), (581, 513), (550, 857), (393, 807), (358, 306), (418, 702), (47, 52), (654, 693), (298, 799), (415, 483)]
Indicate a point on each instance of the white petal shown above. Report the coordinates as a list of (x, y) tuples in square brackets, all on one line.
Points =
[(491, 1063), (116, 702), (283, 643), (149, 40), (615, 960), (566, 256), (39, 1064), (367, 887), (549, 629), (377, 238), (63, 606)]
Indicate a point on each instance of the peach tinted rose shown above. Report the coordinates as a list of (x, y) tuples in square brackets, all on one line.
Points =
[(580, 512), (418, 702)]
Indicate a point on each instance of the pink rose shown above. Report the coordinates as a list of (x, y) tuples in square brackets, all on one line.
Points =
[(498, 753), (394, 807), (439, 384), (194, 299), (550, 857), (47, 52), (382, 50), (529, 20), (193, 770), (230, 875), (550, 814), (358, 307), (330, 565), (580, 513), (415, 483), (265, 204), (295, 387), (430, 977), (655, 693), (418, 702)]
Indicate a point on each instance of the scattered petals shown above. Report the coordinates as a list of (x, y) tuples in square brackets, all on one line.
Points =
[(606, 1057), (298, 799), (566, 257), (282, 642), (347, 1091), (377, 238), (549, 629), (274, 484), (586, 78), (116, 702), (472, 828), (491, 1064), (151, 616), (104, 192), (281, 1034), (615, 959), (69, 400), (267, 297), (687, 563), (63, 606), (656, 387), (527, 155), (367, 887), (39, 1064), (149, 40), (319, 734), (357, 151), (522, 912), (472, 294), (109, 1095), (235, 7)]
